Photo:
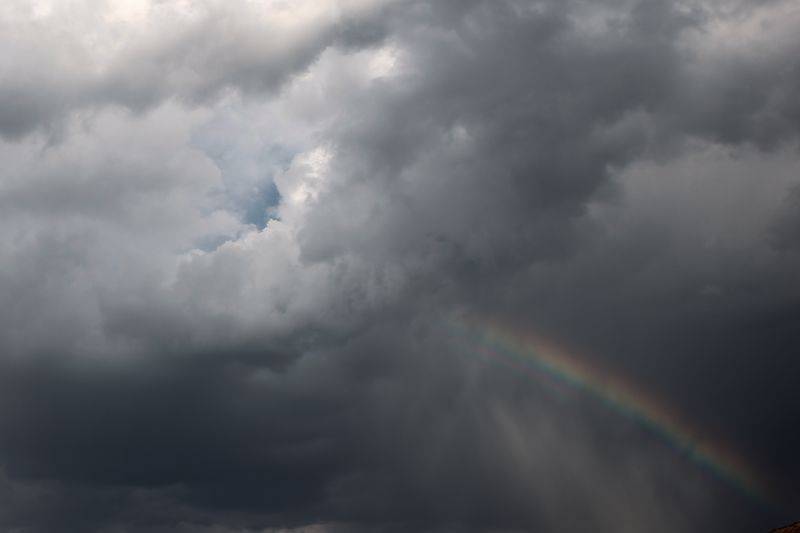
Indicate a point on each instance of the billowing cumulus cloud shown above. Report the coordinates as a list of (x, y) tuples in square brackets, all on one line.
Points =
[(235, 236)]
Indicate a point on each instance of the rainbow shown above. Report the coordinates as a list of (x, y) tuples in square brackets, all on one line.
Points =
[(534, 356)]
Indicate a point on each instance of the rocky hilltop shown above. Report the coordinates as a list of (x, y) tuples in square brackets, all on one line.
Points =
[(794, 528)]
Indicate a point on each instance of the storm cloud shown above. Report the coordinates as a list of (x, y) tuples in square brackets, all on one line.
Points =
[(234, 235)]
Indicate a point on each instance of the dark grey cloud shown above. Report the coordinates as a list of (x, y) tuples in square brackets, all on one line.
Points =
[(233, 257), (786, 228), (327, 441)]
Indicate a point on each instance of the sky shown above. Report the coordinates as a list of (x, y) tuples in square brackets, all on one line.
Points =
[(436, 266)]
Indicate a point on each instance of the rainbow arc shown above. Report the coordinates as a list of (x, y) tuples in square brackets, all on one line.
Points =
[(535, 356)]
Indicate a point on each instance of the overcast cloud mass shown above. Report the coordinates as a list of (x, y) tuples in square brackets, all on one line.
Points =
[(233, 234)]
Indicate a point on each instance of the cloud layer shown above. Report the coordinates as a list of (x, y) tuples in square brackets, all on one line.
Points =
[(232, 233)]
